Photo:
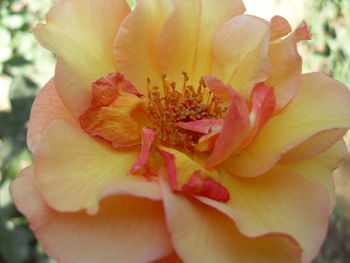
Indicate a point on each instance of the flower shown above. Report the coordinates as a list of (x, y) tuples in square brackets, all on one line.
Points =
[(180, 131)]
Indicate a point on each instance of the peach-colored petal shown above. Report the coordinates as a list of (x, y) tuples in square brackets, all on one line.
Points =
[(314, 146), (305, 116), (136, 42), (147, 139), (222, 91), (46, 108), (280, 201), (202, 126), (185, 41), (122, 224), (241, 59), (172, 258), (81, 33), (279, 27), (234, 130), (73, 169), (320, 168), (286, 67), (202, 234)]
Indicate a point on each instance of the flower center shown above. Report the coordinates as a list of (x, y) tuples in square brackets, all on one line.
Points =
[(171, 106)]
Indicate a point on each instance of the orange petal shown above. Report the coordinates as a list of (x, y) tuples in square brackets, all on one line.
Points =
[(241, 60), (222, 91), (123, 223), (314, 146), (188, 176), (286, 67), (46, 108), (320, 168), (202, 234), (81, 34), (279, 27), (280, 201), (147, 139), (172, 258), (116, 113), (234, 130), (135, 46), (74, 171), (305, 116), (185, 42)]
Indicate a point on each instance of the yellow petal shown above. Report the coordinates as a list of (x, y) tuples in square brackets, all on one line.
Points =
[(74, 171), (202, 234), (127, 229), (320, 168), (81, 34), (136, 42), (185, 42), (321, 104), (241, 53), (280, 201), (46, 108)]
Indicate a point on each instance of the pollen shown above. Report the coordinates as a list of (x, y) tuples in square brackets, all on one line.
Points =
[(170, 105)]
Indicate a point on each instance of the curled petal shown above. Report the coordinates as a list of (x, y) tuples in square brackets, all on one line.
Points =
[(147, 139), (46, 108), (279, 201), (109, 235), (81, 33), (320, 168), (279, 27), (202, 234), (93, 166), (284, 131)]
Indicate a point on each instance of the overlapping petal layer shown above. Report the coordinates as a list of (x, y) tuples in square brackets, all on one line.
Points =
[(305, 116), (80, 183), (200, 227), (104, 237), (81, 33)]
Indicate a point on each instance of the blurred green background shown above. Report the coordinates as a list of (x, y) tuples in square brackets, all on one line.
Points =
[(25, 67)]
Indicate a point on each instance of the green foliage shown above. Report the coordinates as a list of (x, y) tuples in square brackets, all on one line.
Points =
[(329, 49)]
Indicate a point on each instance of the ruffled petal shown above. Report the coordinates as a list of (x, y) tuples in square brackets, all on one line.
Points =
[(136, 42), (122, 224), (279, 201), (81, 34), (185, 42), (305, 116), (241, 60), (286, 67), (74, 171), (320, 168), (279, 27), (202, 234), (46, 108)]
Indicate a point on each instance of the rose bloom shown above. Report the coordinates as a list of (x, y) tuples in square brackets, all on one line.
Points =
[(180, 131)]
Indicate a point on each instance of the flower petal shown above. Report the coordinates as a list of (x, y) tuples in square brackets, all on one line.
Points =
[(305, 116), (314, 146), (279, 27), (147, 139), (320, 168), (234, 130), (286, 68), (172, 258), (202, 234), (280, 201), (73, 169), (46, 108), (185, 42), (241, 60), (81, 34), (135, 46), (122, 223)]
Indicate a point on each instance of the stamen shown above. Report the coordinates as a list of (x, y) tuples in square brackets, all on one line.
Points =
[(189, 104)]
